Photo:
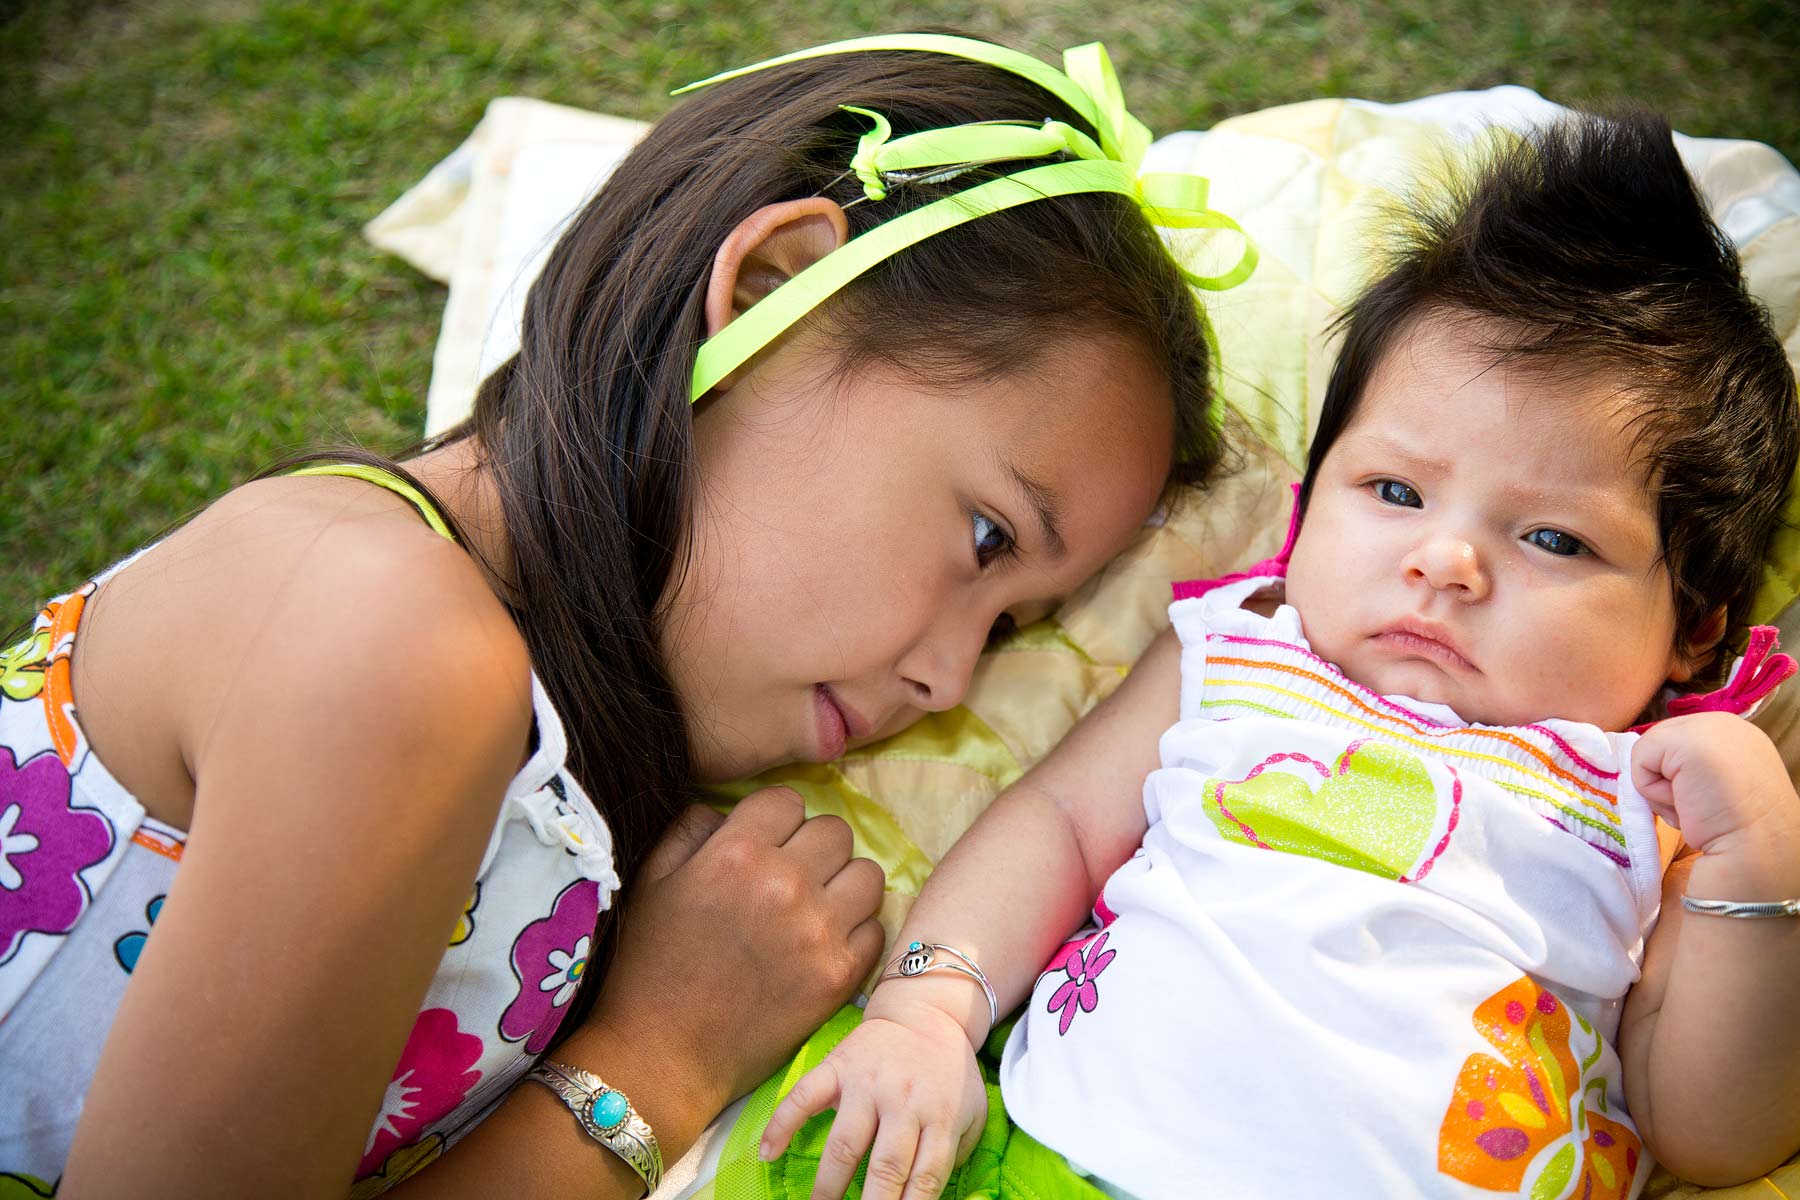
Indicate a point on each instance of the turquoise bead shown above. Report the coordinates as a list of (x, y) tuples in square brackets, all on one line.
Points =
[(609, 1109)]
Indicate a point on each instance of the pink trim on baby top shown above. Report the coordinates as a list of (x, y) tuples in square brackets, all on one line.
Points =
[(1757, 674), (1423, 725), (1270, 568)]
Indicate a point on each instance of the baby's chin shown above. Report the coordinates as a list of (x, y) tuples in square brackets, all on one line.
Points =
[(1408, 680), (1425, 683), (1475, 702)]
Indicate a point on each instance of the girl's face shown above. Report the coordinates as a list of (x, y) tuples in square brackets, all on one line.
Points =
[(1478, 536), (856, 538)]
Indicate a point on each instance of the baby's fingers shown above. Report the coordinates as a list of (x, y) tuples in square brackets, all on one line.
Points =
[(891, 1162), (932, 1166), (1652, 775), (817, 1091), (844, 1147)]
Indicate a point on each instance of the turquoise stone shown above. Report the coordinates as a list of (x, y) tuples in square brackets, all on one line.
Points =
[(916, 946), (609, 1109)]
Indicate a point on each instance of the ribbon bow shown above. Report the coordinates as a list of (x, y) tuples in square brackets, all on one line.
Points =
[(1757, 674), (1087, 84)]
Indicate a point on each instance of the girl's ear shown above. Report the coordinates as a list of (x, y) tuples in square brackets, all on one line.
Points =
[(764, 251), (1695, 649)]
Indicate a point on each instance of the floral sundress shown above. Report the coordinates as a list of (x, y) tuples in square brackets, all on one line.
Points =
[(83, 874)]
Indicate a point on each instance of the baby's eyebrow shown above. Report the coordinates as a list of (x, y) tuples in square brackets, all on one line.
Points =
[(1383, 444), (1046, 506)]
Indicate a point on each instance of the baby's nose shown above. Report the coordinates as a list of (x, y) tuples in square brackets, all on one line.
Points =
[(1451, 564)]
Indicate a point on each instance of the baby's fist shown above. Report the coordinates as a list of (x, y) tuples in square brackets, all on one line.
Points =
[(1712, 776)]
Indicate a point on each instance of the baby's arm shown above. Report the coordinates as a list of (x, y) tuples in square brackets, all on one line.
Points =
[(1006, 895), (1709, 1044)]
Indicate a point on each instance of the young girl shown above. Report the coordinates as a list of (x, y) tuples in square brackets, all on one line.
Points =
[(309, 812), (1372, 928)]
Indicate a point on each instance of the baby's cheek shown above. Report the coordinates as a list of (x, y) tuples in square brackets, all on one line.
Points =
[(1328, 632), (1577, 672)]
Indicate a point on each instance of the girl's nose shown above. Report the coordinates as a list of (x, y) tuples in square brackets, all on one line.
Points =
[(938, 667), (1448, 563)]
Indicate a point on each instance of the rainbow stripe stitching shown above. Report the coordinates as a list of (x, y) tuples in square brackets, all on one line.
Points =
[(1533, 763)]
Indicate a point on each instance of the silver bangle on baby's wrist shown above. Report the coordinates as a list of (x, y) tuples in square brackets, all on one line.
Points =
[(607, 1116), (922, 958), (1742, 908)]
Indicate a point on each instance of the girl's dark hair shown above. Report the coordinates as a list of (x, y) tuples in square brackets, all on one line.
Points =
[(588, 431), (1584, 247)]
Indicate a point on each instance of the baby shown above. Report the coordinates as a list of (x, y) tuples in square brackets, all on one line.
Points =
[(1391, 897)]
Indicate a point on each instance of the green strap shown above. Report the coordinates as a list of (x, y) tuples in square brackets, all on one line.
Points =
[(1088, 85), (1169, 200), (759, 325), (388, 480)]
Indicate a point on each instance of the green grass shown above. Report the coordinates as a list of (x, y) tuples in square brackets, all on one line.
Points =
[(185, 294)]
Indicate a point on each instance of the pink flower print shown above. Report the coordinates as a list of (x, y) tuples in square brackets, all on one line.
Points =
[(1103, 917), (1082, 968), (549, 957), (45, 845), (436, 1071)]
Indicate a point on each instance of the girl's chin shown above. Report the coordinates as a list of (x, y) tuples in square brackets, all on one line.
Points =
[(713, 766)]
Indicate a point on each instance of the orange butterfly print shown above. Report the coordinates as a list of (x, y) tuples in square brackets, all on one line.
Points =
[(1521, 1123)]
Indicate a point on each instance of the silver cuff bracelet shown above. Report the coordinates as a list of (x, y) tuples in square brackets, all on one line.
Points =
[(921, 958), (1742, 908), (607, 1116)]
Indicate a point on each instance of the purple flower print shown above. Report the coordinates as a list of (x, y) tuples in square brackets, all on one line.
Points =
[(436, 1071), (1082, 967), (549, 957), (45, 845)]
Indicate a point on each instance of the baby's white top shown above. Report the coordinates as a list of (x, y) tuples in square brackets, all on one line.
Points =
[(1365, 947)]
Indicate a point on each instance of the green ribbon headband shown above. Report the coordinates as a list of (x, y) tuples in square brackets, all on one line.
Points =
[(1087, 84)]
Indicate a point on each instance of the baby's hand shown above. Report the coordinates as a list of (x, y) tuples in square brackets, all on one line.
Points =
[(1715, 777), (908, 1083)]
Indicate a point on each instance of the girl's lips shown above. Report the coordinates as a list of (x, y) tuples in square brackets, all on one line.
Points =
[(834, 729)]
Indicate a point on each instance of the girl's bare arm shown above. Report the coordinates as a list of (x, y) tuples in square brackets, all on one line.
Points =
[(349, 746), (351, 716)]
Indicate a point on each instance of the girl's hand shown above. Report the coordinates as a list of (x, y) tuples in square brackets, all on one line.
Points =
[(1718, 779), (742, 934), (909, 1084)]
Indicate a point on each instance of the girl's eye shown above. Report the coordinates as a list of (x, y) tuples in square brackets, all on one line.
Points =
[(1557, 542), (991, 542), (1392, 491)]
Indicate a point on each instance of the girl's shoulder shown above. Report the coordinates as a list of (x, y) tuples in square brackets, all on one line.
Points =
[(323, 605)]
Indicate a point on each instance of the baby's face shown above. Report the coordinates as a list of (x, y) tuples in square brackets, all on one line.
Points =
[(1479, 537)]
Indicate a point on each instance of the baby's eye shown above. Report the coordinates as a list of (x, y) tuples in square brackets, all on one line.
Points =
[(991, 542), (1392, 491), (1565, 545)]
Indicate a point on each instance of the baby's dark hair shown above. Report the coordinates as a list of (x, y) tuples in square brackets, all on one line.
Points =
[(1584, 247)]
